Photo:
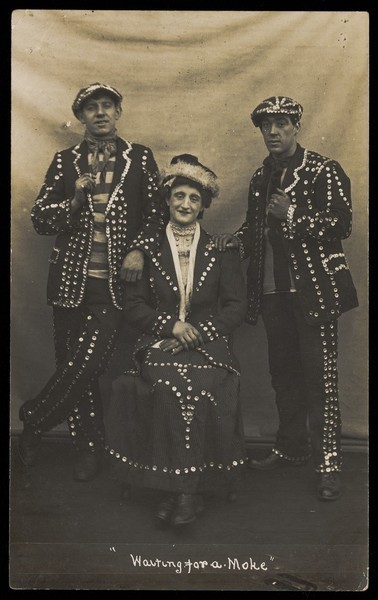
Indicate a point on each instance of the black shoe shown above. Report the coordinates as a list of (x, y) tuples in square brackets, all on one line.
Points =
[(185, 510), (188, 506), (273, 461), (329, 487), (28, 446), (165, 509), (87, 466)]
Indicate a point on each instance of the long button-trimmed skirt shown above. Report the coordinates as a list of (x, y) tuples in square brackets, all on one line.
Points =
[(177, 426)]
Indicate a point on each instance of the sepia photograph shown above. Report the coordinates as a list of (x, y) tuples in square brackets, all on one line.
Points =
[(189, 300)]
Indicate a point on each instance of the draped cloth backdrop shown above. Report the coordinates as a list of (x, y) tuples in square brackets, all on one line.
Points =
[(190, 81)]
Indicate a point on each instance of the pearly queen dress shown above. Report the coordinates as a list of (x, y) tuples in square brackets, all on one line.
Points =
[(175, 423)]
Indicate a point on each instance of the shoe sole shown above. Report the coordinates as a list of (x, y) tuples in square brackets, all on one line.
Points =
[(182, 523), (325, 499), (168, 518), (197, 511), (164, 518)]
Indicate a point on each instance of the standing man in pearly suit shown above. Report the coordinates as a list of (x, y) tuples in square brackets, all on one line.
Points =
[(96, 197), (298, 279)]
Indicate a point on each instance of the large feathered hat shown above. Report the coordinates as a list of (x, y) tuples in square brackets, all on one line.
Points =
[(188, 166)]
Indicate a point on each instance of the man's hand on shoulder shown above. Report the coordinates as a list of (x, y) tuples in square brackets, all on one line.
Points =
[(223, 241), (132, 266)]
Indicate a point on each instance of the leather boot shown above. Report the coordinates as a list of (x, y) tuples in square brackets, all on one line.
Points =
[(185, 510), (273, 461), (329, 487), (165, 509), (28, 446)]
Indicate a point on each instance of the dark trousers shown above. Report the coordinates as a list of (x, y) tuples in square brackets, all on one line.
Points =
[(84, 341), (303, 368)]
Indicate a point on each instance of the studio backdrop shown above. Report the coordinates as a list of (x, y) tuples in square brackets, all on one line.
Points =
[(190, 81)]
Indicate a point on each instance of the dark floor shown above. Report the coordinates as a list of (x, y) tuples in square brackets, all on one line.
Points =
[(276, 536)]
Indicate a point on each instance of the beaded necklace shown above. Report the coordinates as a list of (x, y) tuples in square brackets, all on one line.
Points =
[(183, 239), (183, 231)]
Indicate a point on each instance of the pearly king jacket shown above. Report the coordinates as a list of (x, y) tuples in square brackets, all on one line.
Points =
[(320, 193), (218, 303), (133, 205)]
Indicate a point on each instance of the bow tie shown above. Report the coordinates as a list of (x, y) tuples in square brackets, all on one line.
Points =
[(275, 165), (107, 148), (275, 168)]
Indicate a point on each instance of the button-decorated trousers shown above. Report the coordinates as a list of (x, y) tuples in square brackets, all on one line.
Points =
[(84, 341), (303, 368)]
